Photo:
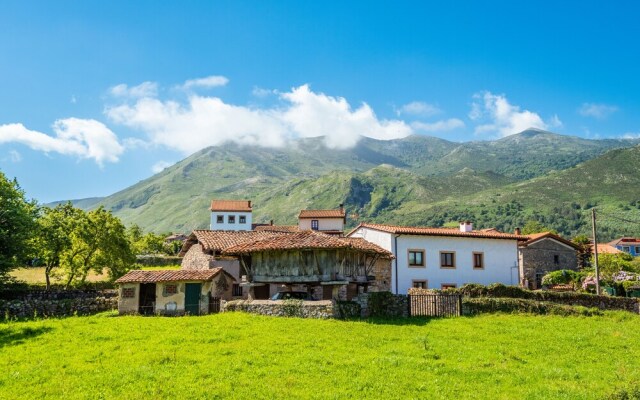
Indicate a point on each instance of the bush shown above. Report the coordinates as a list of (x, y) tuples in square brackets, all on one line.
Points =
[(563, 276), (348, 309), (480, 305)]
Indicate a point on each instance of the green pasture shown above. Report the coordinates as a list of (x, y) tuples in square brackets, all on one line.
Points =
[(241, 356)]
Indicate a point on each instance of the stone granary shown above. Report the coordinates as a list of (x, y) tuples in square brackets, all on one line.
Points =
[(263, 262)]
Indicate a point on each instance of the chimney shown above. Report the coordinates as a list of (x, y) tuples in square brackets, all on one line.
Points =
[(517, 231), (341, 206), (249, 203), (466, 226), (271, 222)]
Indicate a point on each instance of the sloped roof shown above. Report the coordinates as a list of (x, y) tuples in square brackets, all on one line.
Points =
[(322, 214), (625, 241), (305, 240), (221, 240), (534, 237), (605, 248), (277, 228), (231, 205), (426, 231), (139, 276)]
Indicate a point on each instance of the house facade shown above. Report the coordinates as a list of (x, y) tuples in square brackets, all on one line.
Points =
[(330, 222), (629, 245), (176, 292), (543, 253), (231, 215), (438, 258)]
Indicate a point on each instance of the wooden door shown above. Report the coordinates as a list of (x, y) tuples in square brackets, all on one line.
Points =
[(192, 298)]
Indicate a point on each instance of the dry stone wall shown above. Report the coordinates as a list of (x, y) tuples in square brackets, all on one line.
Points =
[(282, 308), (46, 307)]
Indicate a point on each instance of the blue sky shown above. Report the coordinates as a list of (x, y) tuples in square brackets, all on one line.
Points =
[(95, 96)]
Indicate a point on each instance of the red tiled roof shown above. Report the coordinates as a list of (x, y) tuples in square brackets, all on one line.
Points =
[(629, 241), (322, 214), (277, 228), (534, 237), (304, 240), (605, 248), (138, 276), (231, 205), (425, 231), (221, 240), (367, 246)]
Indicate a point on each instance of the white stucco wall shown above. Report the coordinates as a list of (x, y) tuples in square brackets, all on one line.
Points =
[(226, 226), (324, 224), (500, 259), (178, 298)]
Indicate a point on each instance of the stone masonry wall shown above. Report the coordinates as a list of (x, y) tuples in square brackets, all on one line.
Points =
[(197, 259), (539, 258), (38, 307), (287, 308)]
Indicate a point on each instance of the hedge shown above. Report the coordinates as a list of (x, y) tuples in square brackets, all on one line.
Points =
[(473, 306)]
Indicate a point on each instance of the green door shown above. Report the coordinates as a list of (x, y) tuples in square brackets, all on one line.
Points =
[(192, 298)]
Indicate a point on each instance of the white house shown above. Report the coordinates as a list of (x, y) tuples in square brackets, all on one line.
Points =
[(437, 258), (231, 215), (330, 222)]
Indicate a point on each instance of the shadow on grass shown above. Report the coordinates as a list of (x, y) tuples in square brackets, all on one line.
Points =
[(15, 336)]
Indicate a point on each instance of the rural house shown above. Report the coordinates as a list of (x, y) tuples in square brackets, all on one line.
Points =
[(231, 215), (330, 222), (445, 257), (629, 245), (543, 253), (172, 292)]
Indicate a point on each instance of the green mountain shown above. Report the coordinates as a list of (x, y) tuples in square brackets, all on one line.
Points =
[(415, 180)]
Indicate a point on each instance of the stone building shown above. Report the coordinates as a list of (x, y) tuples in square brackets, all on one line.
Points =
[(543, 253)]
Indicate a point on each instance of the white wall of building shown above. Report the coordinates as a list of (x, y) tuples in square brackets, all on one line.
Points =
[(226, 226), (500, 259), (324, 224)]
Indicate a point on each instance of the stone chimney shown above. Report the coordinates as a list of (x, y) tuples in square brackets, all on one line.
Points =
[(249, 204), (466, 226), (516, 231)]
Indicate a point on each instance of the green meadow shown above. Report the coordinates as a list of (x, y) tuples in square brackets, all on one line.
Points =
[(241, 356)]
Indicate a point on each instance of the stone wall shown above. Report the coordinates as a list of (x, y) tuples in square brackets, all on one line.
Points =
[(383, 305), (538, 258), (197, 259), (287, 308), (43, 307)]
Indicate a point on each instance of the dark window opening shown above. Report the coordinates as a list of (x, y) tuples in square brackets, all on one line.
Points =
[(314, 224)]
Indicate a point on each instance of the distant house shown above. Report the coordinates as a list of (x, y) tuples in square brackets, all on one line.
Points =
[(330, 222), (605, 248), (172, 292), (629, 245), (175, 237), (231, 215), (542, 253), (445, 257)]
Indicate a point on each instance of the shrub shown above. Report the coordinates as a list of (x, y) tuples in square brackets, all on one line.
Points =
[(509, 305), (560, 277), (348, 309)]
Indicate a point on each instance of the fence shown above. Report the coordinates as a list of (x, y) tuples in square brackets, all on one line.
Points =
[(214, 305), (435, 305)]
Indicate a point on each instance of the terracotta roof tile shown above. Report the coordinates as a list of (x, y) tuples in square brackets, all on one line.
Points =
[(605, 248), (231, 205), (322, 214), (277, 228), (426, 231), (139, 276), (304, 240), (221, 240), (534, 237)]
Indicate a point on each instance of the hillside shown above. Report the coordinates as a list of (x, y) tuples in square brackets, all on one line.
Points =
[(415, 180)]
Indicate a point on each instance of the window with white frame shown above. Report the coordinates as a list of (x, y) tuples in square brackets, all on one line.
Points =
[(420, 284)]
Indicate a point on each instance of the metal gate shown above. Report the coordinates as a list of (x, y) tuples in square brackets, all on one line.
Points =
[(435, 305)]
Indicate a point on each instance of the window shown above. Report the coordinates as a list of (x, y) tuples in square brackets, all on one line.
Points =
[(416, 258), (314, 224), (231, 219), (478, 260), (556, 259), (447, 259), (170, 289), (419, 284), (626, 249), (637, 249), (448, 286), (236, 290), (220, 219), (128, 293), (242, 219)]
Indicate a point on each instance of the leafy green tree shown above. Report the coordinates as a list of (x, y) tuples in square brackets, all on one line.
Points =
[(533, 226), (610, 264), (584, 254), (149, 243), (17, 222)]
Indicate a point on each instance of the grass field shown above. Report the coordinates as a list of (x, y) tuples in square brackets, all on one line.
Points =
[(35, 275), (233, 355)]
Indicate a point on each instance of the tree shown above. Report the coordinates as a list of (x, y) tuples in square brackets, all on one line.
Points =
[(584, 254), (611, 264), (533, 226), (17, 222)]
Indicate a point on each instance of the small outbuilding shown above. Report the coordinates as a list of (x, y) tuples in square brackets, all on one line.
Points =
[(174, 292), (542, 253)]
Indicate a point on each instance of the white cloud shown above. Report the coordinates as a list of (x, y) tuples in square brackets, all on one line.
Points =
[(631, 135), (207, 121), (439, 126), (160, 166), (84, 138), (503, 117), (419, 108), (208, 82), (599, 111), (145, 89), (261, 92), (14, 156), (555, 121)]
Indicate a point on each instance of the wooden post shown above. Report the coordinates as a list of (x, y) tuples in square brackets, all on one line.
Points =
[(595, 249)]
